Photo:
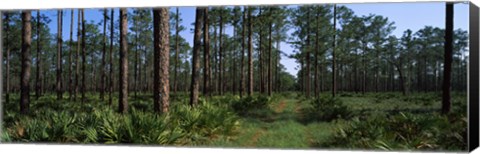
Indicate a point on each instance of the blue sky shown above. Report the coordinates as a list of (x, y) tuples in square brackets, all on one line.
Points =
[(412, 16)]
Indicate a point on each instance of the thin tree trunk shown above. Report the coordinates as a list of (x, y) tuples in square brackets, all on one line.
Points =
[(315, 80), (425, 80), (215, 58), (334, 73), (402, 83), (110, 85), (145, 70), (177, 51), (302, 75), (234, 62), (93, 83), (77, 56), (195, 58), (206, 54), (161, 59), (260, 55), (446, 104), (7, 58), (102, 72), (70, 59), (250, 49), (26, 62), (364, 79), (59, 55), (242, 63), (269, 89), (38, 78), (220, 51), (83, 57), (135, 65), (307, 58), (123, 78)]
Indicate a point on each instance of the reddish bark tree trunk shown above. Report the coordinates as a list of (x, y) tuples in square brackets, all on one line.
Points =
[(26, 62), (161, 59), (195, 58), (206, 55), (123, 78)]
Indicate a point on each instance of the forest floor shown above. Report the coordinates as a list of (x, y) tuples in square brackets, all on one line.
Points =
[(286, 123)]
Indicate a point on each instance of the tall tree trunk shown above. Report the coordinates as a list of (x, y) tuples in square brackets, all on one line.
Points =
[(195, 57), (83, 57), (315, 80), (364, 78), (334, 73), (215, 58), (220, 52), (242, 63), (7, 58), (93, 83), (110, 85), (402, 83), (38, 77), (123, 78), (145, 70), (161, 59), (376, 72), (234, 61), (59, 55), (177, 51), (435, 77), (102, 72), (355, 69), (135, 65), (307, 58), (70, 59), (425, 80), (446, 104), (260, 55), (206, 54), (269, 88), (26, 62), (250, 49), (302, 75), (77, 56)]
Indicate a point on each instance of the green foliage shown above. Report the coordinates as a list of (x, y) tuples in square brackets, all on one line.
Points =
[(424, 99), (97, 123), (250, 103), (204, 121), (403, 131), (326, 109)]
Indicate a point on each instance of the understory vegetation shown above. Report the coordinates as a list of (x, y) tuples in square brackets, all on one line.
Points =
[(384, 121)]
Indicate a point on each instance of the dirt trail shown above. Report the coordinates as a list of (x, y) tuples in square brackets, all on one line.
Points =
[(281, 106), (253, 141)]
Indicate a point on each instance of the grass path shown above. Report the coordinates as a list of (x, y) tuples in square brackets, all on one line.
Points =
[(282, 129)]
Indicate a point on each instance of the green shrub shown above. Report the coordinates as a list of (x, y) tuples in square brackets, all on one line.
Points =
[(182, 125), (326, 109), (204, 121), (423, 99), (403, 132), (246, 104)]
